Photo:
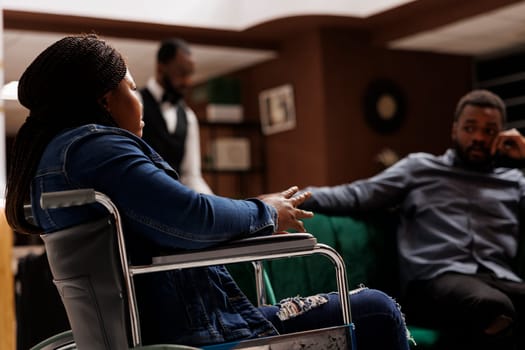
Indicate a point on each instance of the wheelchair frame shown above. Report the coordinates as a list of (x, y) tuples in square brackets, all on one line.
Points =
[(253, 250)]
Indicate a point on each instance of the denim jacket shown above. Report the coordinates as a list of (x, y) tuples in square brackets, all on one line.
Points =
[(194, 306)]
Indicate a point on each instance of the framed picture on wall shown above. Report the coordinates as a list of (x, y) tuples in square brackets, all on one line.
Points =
[(277, 109)]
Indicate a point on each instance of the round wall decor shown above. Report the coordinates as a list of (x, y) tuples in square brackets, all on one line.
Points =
[(384, 105)]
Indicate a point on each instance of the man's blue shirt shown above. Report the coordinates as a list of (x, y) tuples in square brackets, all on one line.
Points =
[(451, 218)]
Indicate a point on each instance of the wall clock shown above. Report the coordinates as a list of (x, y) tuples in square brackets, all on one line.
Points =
[(384, 106)]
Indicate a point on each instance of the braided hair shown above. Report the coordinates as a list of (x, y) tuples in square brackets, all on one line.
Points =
[(62, 89)]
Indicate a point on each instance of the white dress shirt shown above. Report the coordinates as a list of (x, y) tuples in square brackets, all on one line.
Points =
[(190, 167)]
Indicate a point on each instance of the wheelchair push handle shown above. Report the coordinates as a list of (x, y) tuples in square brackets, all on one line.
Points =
[(62, 199)]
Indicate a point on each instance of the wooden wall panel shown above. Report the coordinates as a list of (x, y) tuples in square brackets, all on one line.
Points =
[(330, 70), (296, 156), (431, 83)]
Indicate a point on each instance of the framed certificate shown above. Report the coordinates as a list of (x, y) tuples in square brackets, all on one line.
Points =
[(277, 109)]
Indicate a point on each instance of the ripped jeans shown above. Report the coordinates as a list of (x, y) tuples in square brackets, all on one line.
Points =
[(378, 321)]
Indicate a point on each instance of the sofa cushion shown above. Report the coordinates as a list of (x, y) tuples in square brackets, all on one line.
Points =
[(369, 255)]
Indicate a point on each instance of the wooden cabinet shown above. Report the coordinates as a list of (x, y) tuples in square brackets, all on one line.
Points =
[(219, 109), (236, 183)]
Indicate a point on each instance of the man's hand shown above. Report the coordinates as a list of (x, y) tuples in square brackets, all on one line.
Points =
[(509, 143), (286, 205)]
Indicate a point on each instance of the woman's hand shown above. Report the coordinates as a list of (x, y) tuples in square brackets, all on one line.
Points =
[(509, 143), (286, 205)]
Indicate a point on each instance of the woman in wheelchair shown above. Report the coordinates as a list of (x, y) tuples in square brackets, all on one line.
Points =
[(83, 131)]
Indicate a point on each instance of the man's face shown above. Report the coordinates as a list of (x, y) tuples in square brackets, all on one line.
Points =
[(474, 132), (176, 74)]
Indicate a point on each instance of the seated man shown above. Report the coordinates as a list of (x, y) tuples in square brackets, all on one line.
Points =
[(459, 225)]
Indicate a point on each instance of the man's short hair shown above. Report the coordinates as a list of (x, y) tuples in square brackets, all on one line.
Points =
[(481, 98), (169, 47)]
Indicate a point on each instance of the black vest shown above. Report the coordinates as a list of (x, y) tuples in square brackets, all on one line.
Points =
[(155, 133)]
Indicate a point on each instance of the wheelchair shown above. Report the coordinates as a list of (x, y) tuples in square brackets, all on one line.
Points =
[(99, 294)]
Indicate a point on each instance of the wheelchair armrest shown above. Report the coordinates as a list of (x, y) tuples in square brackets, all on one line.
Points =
[(279, 243), (70, 198)]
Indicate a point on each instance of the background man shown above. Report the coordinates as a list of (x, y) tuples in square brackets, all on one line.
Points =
[(172, 128)]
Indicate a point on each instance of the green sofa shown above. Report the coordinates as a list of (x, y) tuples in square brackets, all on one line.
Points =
[(368, 245)]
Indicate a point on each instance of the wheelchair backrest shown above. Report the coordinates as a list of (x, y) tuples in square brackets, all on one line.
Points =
[(86, 269)]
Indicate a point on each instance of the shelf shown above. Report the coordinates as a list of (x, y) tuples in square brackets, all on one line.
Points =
[(511, 78), (247, 124), (519, 124), (236, 172), (514, 101), (504, 75), (502, 65), (214, 135)]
